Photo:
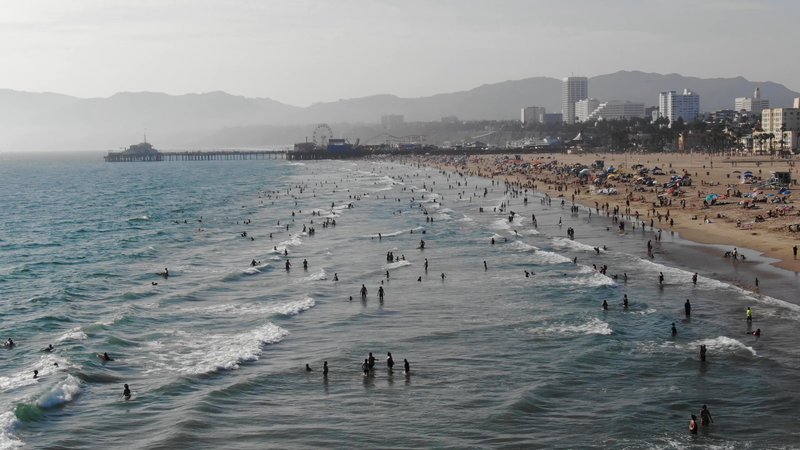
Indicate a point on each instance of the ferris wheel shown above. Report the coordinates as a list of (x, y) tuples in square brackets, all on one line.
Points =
[(322, 134)]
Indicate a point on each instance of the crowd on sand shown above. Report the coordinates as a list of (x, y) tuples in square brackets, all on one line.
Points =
[(714, 199)]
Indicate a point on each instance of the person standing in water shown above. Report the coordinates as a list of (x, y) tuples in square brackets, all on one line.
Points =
[(687, 308), (703, 352), (325, 369), (694, 278), (693, 425), (674, 330), (605, 305), (126, 393), (406, 366), (363, 292), (389, 361), (660, 278), (625, 301), (749, 314), (705, 416), (380, 293)]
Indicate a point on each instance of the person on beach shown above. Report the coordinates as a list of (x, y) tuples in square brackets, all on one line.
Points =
[(674, 330), (705, 416), (749, 314), (126, 393), (389, 361), (693, 425), (687, 308)]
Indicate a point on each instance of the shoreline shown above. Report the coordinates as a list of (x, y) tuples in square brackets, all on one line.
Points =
[(763, 238)]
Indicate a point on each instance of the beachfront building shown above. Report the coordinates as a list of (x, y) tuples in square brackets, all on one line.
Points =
[(673, 106), (783, 124), (616, 110), (753, 105), (532, 114), (585, 107), (553, 119), (796, 102), (573, 89)]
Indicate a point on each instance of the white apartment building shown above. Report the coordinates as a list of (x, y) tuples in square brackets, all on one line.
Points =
[(673, 105), (573, 89), (773, 119), (532, 114), (615, 110), (585, 107), (753, 105)]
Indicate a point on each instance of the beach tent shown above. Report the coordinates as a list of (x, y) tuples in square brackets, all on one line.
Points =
[(711, 198)]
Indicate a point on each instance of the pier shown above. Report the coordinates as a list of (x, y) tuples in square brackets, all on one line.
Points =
[(197, 155)]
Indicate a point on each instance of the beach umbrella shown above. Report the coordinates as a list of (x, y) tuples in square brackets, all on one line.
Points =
[(584, 172), (711, 197)]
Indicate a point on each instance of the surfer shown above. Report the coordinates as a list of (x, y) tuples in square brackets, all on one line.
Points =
[(389, 361), (9, 343), (126, 393), (363, 292), (406, 366), (749, 314), (687, 308), (380, 293), (674, 330), (325, 369), (308, 368), (705, 416), (105, 357)]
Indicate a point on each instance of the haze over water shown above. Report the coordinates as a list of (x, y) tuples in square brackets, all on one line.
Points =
[(215, 354)]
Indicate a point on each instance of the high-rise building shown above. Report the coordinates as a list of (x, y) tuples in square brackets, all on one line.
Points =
[(573, 89), (784, 123), (753, 105), (673, 106), (615, 110), (532, 114)]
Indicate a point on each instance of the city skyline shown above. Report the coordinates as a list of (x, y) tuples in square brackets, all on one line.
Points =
[(313, 51)]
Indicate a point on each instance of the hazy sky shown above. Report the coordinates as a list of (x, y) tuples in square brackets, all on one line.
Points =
[(305, 51)]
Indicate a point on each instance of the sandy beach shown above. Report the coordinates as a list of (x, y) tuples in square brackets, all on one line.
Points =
[(742, 215)]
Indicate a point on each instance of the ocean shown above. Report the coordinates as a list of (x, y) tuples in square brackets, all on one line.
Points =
[(215, 354)]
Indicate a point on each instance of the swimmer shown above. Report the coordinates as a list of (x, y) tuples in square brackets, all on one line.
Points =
[(49, 348), (693, 425), (308, 368), (126, 393), (336, 278), (705, 416), (35, 374), (105, 357), (406, 366), (419, 279), (9, 343), (674, 330), (605, 305), (443, 277), (756, 333)]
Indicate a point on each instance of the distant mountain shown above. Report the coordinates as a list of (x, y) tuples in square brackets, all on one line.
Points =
[(47, 121)]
